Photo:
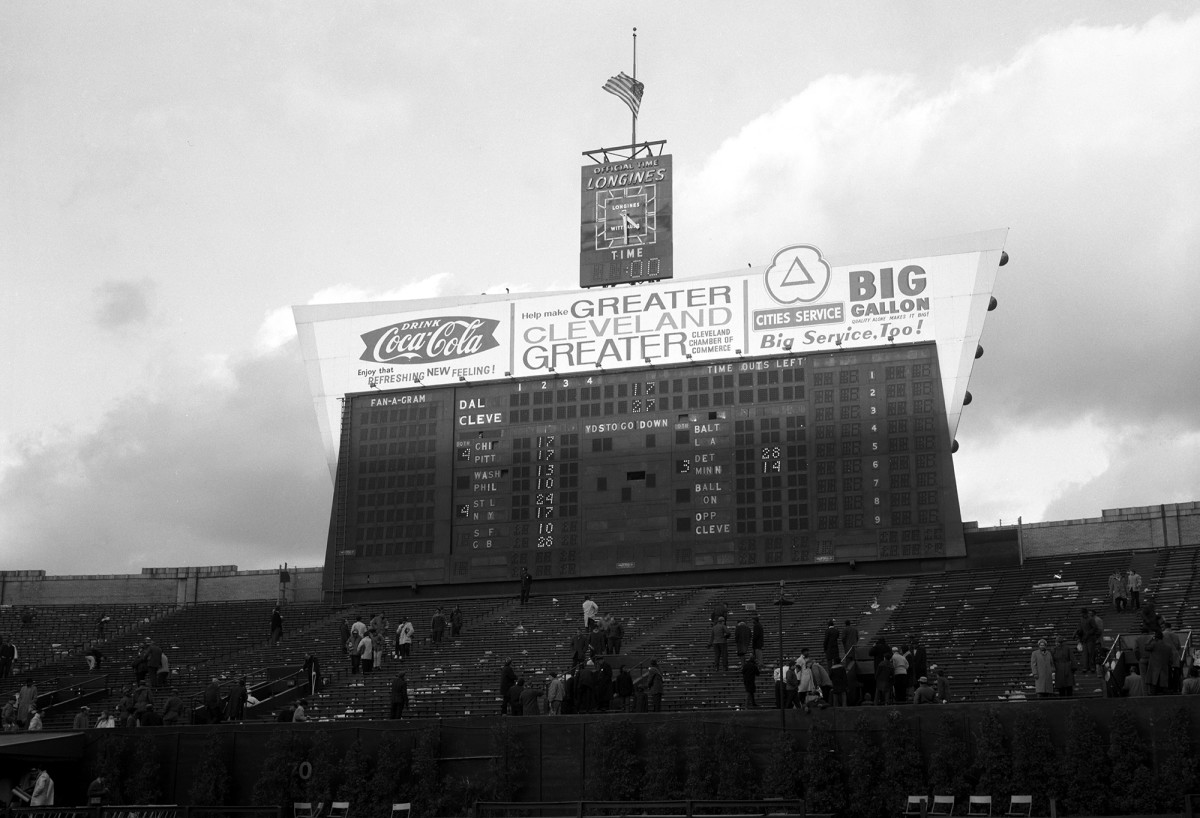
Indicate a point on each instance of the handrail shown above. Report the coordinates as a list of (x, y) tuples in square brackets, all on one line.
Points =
[(146, 811), (707, 808)]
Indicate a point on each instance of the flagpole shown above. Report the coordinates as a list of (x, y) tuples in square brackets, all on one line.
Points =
[(633, 139)]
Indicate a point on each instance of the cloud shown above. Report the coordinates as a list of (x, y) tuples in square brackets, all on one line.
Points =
[(279, 325), (193, 476), (1084, 144), (122, 304), (1075, 468)]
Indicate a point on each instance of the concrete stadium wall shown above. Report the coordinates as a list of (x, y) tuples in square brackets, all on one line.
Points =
[(1120, 529), (559, 751), (170, 586)]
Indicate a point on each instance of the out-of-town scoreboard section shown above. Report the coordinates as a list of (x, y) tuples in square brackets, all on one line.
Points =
[(780, 460)]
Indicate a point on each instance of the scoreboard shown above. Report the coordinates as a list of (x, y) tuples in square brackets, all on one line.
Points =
[(778, 460)]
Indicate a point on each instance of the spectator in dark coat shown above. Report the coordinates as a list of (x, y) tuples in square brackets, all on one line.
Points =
[(757, 639), (508, 678), (212, 701), (529, 700), (514, 697), (149, 718), (579, 647), (604, 684), (8, 655), (585, 687), (654, 686), (839, 683), (624, 686), (1155, 662), (311, 669), (750, 674), (918, 664), (1064, 667), (399, 696), (849, 637), (236, 709), (1088, 635), (719, 642), (613, 637), (437, 628), (743, 637), (596, 642), (276, 626), (173, 710), (830, 643)]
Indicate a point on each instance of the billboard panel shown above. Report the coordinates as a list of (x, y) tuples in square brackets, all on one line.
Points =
[(801, 302)]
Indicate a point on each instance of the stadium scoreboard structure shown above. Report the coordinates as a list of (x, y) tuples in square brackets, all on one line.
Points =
[(796, 414)]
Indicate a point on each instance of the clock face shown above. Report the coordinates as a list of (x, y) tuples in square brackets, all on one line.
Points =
[(626, 217)]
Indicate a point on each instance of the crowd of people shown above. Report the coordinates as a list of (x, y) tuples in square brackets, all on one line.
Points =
[(590, 684)]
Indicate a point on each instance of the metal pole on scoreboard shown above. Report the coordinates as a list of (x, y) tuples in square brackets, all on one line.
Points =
[(633, 139)]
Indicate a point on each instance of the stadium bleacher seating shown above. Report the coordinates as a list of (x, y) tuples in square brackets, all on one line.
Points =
[(979, 625)]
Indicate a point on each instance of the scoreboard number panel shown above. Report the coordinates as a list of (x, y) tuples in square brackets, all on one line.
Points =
[(772, 461)]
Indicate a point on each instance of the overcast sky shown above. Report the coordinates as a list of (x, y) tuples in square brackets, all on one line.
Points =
[(174, 176)]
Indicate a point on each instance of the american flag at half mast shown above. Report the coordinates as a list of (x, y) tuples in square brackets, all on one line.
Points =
[(628, 89)]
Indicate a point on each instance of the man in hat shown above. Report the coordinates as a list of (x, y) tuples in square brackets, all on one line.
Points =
[(924, 693), (1041, 667), (81, 719), (720, 645), (508, 678), (1064, 667)]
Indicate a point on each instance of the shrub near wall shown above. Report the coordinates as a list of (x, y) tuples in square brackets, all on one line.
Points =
[(1143, 753)]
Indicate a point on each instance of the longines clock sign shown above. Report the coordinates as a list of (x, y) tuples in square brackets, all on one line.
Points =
[(625, 225)]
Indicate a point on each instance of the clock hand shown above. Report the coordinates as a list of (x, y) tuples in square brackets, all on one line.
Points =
[(630, 222)]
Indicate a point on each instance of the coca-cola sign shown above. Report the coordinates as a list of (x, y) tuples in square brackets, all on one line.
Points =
[(424, 340)]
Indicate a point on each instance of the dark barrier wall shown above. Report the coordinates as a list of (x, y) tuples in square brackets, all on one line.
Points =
[(558, 754)]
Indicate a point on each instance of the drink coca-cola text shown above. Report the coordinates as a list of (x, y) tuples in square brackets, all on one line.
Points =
[(432, 339)]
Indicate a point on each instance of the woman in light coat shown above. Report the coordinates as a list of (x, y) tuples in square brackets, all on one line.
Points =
[(1041, 667)]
